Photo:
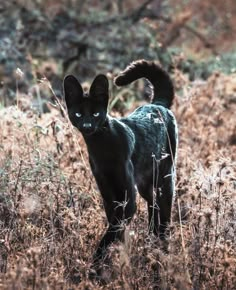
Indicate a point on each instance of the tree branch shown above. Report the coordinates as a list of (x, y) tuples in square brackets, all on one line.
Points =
[(134, 16)]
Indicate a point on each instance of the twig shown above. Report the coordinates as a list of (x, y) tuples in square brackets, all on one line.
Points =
[(137, 14), (207, 43), (17, 180), (183, 245)]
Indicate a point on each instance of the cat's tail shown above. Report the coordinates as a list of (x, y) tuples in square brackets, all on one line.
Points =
[(163, 88)]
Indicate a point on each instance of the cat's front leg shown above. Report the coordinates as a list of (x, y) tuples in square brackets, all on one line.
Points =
[(119, 210), (121, 217)]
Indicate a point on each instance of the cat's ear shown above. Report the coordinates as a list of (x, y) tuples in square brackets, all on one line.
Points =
[(72, 90), (99, 89)]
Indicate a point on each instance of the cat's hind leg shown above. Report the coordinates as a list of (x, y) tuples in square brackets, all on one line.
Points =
[(146, 190), (164, 198), (158, 194)]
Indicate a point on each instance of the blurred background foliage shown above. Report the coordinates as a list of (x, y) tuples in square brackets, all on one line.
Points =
[(46, 39)]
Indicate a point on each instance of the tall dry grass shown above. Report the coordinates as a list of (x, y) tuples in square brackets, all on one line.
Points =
[(51, 215)]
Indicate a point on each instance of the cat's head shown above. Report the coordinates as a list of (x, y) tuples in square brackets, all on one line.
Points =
[(87, 111)]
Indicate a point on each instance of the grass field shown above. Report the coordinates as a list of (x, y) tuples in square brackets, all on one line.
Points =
[(51, 215)]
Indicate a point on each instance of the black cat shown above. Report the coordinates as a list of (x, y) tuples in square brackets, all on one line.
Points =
[(138, 150)]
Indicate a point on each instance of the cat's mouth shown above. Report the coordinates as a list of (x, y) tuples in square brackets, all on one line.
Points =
[(88, 132)]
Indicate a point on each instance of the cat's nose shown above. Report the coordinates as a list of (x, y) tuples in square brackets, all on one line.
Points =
[(87, 128), (87, 125)]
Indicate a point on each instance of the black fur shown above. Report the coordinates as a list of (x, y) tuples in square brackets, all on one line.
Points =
[(137, 151)]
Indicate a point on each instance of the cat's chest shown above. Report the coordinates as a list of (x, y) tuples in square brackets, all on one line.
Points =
[(105, 164), (117, 142), (104, 155)]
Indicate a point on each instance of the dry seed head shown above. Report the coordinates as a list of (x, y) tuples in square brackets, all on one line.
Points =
[(19, 73)]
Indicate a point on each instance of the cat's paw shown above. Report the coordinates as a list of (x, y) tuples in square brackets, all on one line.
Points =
[(75, 277), (101, 274)]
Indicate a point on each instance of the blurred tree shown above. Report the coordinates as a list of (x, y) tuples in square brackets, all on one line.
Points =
[(83, 36)]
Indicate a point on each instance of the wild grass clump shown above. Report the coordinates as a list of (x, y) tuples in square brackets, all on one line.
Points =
[(51, 215)]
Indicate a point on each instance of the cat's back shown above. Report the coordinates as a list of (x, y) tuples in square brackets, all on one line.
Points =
[(149, 120), (151, 125)]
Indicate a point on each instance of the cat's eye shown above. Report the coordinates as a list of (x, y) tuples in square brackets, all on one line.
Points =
[(78, 115), (96, 114)]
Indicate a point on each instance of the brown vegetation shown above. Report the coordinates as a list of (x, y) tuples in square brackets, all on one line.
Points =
[(51, 215)]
